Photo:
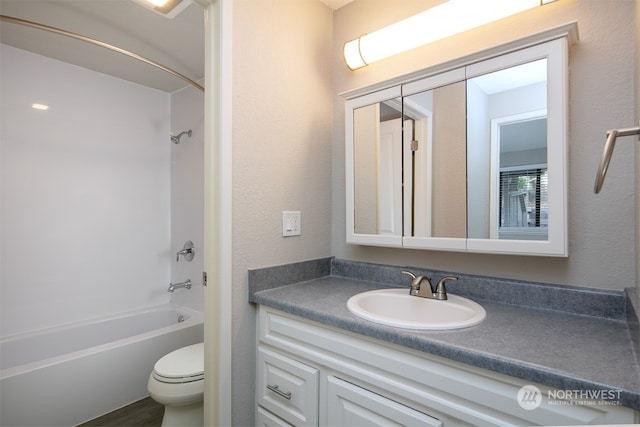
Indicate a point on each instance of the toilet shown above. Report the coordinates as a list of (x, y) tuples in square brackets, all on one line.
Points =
[(177, 382)]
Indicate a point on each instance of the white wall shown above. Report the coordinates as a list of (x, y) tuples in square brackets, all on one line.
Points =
[(601, 243), (187, 193), (85, 223), (282, 128), (636, 81)]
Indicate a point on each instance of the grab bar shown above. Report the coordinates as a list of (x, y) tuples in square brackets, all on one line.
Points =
[(608, 151)]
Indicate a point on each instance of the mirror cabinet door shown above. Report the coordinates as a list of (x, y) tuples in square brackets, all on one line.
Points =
[(434, 173), (374, 165), (507, 146), (516, 152)]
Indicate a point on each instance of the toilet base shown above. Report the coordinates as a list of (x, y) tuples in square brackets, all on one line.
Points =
[(184, 415)]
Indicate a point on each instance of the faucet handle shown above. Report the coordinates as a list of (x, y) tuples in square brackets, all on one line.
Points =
[(441, 289), (184, 252), (415, 282), (188, 251), (408, 273)]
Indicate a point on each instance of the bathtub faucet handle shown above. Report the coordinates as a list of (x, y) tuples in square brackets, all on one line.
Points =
[(187, 251)]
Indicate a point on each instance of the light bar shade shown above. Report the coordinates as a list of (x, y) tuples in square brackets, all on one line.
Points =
[(446, 19), (167, 8), (158, 3)]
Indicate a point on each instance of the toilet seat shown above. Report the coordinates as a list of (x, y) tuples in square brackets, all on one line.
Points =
[(183, 365), (179, 380)]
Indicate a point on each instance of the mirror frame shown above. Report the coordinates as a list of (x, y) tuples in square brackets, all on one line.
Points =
[(350, 106), (556, 53), (552, 44)]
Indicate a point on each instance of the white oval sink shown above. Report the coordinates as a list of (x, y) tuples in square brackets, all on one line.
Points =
[(395, 307)]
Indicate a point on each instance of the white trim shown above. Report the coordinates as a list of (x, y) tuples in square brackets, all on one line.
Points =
[(523, 167), (434, 82), (218, 210), (494, 186), (351, 236), (424, 183), (556, 53), (389, 178), (456, 244)]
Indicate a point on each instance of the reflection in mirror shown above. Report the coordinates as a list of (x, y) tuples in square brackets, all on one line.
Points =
[(507, 153), (470, 159), (434, 173), (522, 197), (377, 161)]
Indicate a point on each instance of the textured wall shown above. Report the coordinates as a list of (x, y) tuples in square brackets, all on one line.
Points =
[(636, 73), (281, 154), (601, 243)]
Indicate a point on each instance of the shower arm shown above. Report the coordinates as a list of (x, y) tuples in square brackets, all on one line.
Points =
[(176, 138), (607, 152), (101, 44)]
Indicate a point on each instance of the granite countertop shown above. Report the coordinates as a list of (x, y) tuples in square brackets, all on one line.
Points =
[(561, 349)]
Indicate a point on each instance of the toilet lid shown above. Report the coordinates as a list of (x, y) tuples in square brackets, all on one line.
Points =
[(186, 362)]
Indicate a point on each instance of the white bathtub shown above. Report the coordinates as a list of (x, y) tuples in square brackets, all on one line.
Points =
[(66, 375)]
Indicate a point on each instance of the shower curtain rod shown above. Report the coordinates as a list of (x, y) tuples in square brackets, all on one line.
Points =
[(101, 44)]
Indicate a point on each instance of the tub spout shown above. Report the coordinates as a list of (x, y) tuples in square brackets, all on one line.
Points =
[(174, 286)]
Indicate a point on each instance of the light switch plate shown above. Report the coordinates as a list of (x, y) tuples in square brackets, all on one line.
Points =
[(291, 223)]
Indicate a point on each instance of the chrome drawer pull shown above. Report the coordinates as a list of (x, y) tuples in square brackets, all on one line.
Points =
[(275, 389)]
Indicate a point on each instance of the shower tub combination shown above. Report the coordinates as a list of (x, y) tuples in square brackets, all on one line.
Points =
[(66, 375)]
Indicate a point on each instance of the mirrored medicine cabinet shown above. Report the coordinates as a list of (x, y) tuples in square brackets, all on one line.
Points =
[(473, 158)]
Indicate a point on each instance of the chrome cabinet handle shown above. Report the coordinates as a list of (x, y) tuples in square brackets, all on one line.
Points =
[(275, 389)]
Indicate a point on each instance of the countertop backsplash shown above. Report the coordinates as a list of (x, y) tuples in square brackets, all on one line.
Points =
[(612, 305)]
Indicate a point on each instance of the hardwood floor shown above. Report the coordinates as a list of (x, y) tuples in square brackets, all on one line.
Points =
[(143, 413)]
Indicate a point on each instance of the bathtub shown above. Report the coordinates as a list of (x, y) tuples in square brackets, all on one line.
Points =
[(66, 375)]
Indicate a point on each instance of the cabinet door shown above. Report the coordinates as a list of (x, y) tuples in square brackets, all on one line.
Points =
[(349, 405), (265, 418), (287, 388)]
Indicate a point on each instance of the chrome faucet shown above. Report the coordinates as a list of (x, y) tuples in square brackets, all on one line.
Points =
[(174, 286), (417, 288), (187, 251), (425, 290)]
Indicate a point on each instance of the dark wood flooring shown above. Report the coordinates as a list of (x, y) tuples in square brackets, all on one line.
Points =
[(143, 413)]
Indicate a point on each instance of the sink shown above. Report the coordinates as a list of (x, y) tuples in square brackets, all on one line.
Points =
[(395, 307)]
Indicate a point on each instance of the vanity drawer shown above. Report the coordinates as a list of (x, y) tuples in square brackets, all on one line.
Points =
[(287, 388), (349, 404), (265, 418)]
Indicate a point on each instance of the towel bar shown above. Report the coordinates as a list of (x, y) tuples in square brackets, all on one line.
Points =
[(608, 151)]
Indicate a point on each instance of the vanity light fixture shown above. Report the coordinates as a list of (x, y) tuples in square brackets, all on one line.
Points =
[(41, 107), (167, 8), (446, 19)]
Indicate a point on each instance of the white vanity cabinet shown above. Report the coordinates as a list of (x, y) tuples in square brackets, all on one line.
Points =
[(287, 388), (352, 405), (310, 374)]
